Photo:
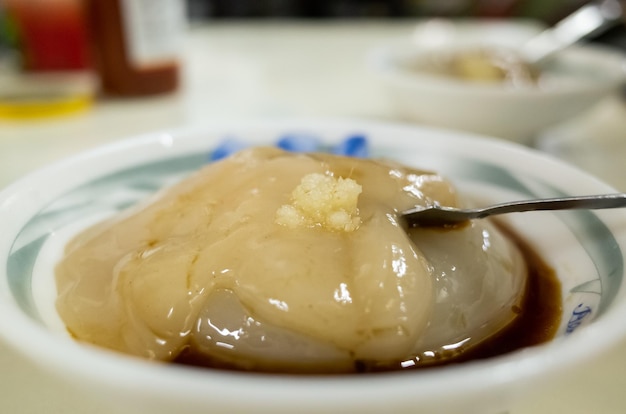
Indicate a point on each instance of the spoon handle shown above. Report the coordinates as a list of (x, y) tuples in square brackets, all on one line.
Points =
[(589, 20), (560, 203), (438, 216)]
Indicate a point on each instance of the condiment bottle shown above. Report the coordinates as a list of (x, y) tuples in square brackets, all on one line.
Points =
[(136, 44)]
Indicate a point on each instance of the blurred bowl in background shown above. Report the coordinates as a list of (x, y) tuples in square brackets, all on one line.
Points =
[(419, 90)]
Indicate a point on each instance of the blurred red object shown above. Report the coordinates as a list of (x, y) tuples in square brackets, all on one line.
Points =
[(51, 34)]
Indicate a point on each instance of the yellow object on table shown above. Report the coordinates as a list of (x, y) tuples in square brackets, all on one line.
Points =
[(45, 95)]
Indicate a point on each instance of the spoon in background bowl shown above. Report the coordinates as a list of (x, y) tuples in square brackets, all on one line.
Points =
[(591, 19), (438, 216), (521, 66)]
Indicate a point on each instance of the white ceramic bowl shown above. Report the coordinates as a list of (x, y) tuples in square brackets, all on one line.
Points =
[(574, 80), (586, 249)]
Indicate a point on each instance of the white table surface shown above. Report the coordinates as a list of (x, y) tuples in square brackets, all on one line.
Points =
[(243, 70)]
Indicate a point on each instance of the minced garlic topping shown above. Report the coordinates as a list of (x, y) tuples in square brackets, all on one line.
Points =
[(322, 200)]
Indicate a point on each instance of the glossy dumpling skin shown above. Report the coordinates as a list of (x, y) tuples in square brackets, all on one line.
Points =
[(204, 269)]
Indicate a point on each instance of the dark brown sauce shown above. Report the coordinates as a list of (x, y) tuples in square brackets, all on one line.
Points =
[(537, 323)]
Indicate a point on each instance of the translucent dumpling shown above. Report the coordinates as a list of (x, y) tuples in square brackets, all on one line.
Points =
[(206, 272)]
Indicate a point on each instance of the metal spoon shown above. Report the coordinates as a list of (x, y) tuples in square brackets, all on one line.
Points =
[(591, 19), (447, 216), (522, 65)]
